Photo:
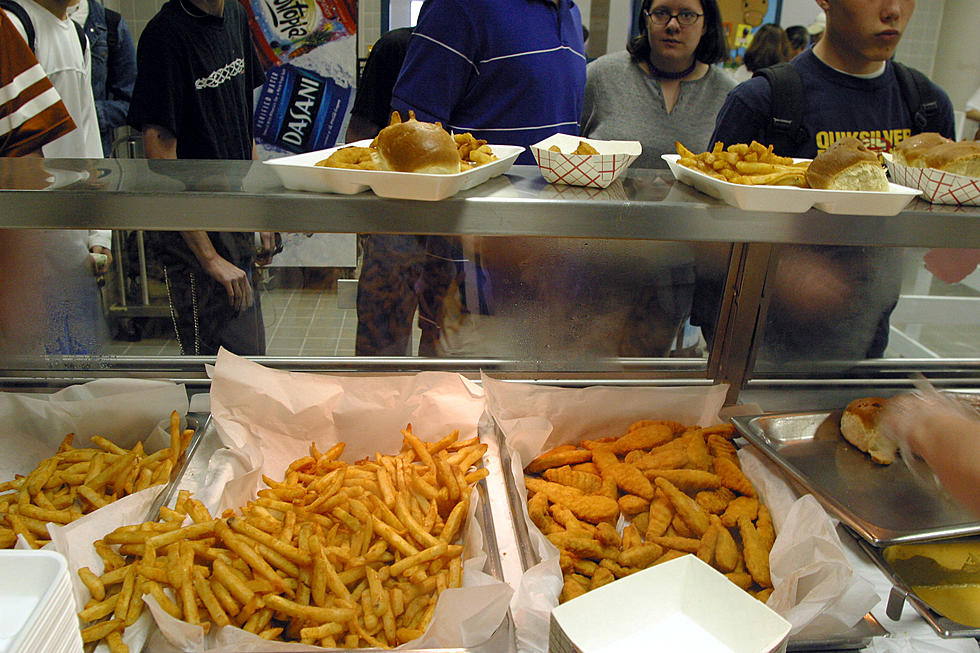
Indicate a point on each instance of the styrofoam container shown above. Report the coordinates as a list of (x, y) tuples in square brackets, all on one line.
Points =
[(32, 585), (597, 170), (937, 186), (300, 172), (680, 605), (790, 199)]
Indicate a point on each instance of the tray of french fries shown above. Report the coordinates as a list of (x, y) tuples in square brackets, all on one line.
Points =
[(301, 172), (752, 177), (77, 453), (572, 540), (311, 519)]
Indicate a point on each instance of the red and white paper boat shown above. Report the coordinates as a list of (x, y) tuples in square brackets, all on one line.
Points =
[(937, 186), (597, 170)]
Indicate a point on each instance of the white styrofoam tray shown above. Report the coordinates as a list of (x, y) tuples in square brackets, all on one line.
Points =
[(35, 598), (680, 605), (299, 172), (596, 170), (937, 186), (790, 199)]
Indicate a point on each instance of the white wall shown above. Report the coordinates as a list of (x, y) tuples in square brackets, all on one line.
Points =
[(957, 67)]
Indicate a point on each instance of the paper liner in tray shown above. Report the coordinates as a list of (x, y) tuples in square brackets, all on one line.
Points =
[(263, 419), (815, 588), (937, 186)]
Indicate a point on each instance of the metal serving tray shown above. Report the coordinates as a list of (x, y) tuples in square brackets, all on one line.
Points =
[(901, 593), (883, 504), (854, 638), (193, 474)]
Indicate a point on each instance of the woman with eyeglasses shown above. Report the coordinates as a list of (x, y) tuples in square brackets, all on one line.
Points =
[(663, 88)]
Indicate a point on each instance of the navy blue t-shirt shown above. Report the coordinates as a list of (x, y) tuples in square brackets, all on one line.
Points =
[(837, 105)]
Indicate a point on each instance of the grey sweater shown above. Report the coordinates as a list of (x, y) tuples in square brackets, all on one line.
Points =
[(622, 102)]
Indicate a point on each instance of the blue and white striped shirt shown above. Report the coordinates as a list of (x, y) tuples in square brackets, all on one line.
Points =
[(509, 71)]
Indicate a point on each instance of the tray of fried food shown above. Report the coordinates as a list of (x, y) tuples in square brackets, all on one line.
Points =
[(675, 489), (408, 159), (335, 554), (76, 481)]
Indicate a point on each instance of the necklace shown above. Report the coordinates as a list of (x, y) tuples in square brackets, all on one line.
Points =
[(663, 74), (190, 13)]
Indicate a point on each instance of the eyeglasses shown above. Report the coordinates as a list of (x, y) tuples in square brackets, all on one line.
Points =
[(663, 16)]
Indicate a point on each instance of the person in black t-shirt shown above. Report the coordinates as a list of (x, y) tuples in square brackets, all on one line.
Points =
[(193, 100)]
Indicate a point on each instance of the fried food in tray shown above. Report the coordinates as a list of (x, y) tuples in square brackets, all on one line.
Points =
[(414, 146), (76, 481), (680, 490), (752, 165), (582, 149), (335, 554), (352, 158)]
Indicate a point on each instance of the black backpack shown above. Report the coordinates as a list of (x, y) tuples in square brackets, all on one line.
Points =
[(13, 8), (785, 129)]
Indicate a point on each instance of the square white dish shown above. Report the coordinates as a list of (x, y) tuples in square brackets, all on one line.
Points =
[(680, 605), (596, 170), (300, 172), (937, 186), (790, 199)]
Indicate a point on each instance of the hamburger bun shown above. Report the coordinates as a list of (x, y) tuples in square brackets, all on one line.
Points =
[(961, 158), (847, 165), (859, 426), (414, 146), (910, 151)]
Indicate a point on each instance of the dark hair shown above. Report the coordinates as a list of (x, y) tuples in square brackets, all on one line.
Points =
[(798, 37), (769, 46), (711, 48)]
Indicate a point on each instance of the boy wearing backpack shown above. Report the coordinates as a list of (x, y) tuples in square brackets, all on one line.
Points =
[(832, 303)]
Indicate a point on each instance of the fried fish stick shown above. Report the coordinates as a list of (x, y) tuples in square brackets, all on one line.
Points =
[(755, 552), (558, 457), (689, 511), (732, 477), (565, 475)]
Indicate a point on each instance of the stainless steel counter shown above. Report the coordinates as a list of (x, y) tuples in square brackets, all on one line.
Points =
[(241, 195)]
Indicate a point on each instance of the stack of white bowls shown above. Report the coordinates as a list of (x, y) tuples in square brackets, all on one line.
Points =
[(37, 611)]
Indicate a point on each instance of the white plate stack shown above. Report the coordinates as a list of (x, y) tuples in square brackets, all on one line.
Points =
[(37, 611)]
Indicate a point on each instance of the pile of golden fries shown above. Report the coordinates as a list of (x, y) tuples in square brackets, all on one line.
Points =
[(335, 555), (583, 148), (679, 488), (473, 151), (76, 481), (753, 164)]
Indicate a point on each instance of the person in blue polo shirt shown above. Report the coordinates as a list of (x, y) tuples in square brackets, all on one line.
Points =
[(511, 72)]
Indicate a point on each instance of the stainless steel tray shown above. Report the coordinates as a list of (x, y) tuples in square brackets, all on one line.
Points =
[(902, 593), (883, 504), (854, 638), (193, 474)]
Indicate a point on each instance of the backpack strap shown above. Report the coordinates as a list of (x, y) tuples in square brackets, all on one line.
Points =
[(918, 93), (18, 12), (785, 128)]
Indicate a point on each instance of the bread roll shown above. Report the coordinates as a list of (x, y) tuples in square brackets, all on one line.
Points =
[(414, 146), (847, 165), (859, 426), (961, 158), (910, 151)]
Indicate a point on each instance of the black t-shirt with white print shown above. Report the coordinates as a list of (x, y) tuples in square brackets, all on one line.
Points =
[(196, 77)]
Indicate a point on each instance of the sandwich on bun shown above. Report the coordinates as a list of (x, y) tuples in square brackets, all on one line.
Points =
[(414, 146), (847, 165), (910, 152)]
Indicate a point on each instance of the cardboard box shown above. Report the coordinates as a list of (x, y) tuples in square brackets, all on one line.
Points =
[(680, 605)]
